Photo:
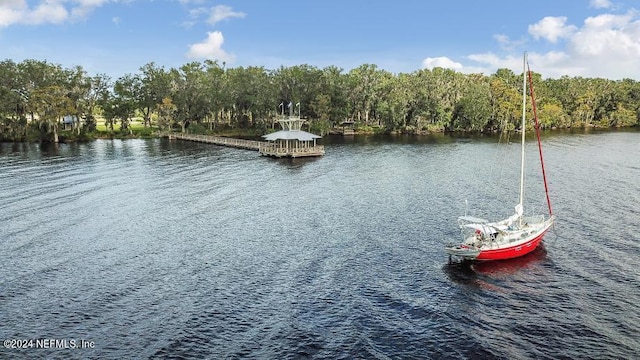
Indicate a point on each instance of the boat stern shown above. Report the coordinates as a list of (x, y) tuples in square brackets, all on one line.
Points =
[(462, 251)]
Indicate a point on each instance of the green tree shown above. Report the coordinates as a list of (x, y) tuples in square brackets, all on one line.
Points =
[(98, 88), (216, 83), (150, 87), (473, 110), (13, 103), (123, 103), (364, 91), (51, 103), (166, 110), (506, 99), (188, 94)]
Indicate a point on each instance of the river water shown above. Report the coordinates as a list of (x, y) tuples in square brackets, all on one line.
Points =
[(171, 249)]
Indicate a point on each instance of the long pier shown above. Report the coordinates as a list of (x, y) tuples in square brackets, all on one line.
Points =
[(263, 147), (220, 140)]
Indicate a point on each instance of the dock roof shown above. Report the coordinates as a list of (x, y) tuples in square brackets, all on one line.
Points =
[(291, 135)]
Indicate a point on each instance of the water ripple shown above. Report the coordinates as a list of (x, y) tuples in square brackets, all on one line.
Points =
[(169, 249)]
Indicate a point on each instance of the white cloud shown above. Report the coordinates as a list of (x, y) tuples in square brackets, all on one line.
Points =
[(210, 48), (45, 11), (600, 4), (194, 14), (442, 61), (85, 7), (223, 12), (604, 46), (18, 12), (116, 20), (607, 21), (502, 39), (490, 59), (48, 11), (551, 64), (11, 11), (506, 43), (608, 37), (214, 14), (197, 12), (551, 28)]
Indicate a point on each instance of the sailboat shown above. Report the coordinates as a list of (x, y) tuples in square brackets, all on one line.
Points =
[(518, 234)]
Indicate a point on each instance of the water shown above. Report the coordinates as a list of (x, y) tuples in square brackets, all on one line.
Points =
[(159, 249)]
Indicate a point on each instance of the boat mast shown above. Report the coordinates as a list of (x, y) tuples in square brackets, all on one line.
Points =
[(524, 111), (537, 127)]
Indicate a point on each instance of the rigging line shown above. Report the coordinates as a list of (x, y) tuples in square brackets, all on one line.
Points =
[(553, 241), (498, 167), (537, 126), (507, 154), (503, 158)]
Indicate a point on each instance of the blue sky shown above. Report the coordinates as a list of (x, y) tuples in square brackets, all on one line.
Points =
[(589, 38)]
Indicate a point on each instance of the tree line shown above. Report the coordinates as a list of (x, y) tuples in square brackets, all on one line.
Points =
[(36, 95)]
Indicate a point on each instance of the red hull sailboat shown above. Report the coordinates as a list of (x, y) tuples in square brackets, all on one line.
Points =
[(517, 235)]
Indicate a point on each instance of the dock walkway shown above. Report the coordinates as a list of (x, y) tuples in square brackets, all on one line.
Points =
[(219, 140), (263, 147)]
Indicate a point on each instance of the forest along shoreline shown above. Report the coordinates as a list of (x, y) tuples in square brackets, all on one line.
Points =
[(45, 102)]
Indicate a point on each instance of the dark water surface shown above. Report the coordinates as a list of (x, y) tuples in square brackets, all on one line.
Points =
[(159, 249)]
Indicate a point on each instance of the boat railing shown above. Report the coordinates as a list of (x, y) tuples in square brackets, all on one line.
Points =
[(533, 219)]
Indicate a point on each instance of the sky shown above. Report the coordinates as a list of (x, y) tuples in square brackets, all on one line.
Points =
[(586, 38)]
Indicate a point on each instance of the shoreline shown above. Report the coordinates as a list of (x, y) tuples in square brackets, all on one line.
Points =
[(156, 134)]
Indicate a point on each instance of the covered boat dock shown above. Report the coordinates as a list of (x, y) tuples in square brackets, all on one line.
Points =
[(291, 141)]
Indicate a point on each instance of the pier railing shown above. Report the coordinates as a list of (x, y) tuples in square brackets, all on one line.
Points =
[(270, 149), (219, 140)]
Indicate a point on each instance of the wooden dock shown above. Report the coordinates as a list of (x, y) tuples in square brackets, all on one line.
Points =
[(263, 147), (219, 140)]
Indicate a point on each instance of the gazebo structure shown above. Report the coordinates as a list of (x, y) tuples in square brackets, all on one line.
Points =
[(291, 141)]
